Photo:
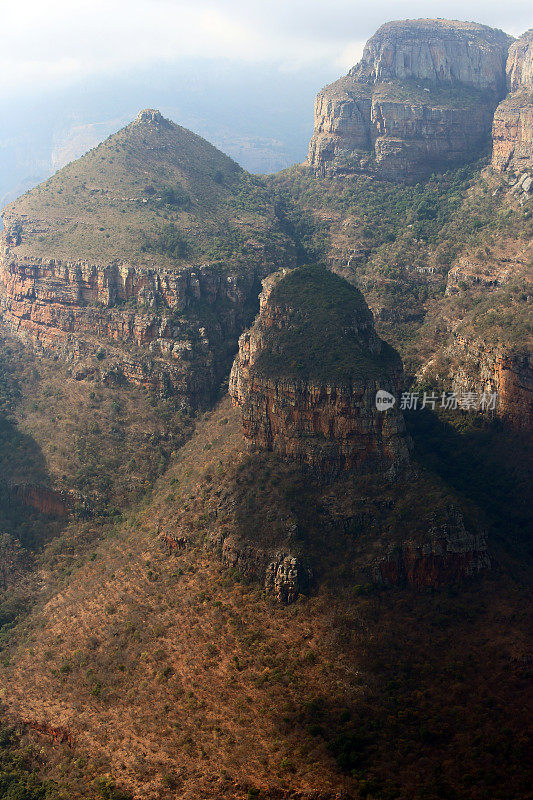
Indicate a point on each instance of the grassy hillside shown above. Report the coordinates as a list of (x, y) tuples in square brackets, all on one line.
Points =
[(152, 194), (176, 675), (321, 337), (398, 244)]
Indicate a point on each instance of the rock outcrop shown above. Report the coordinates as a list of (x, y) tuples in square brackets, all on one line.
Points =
[(284, 573), (480, 368), (307, 374), (141, 261), (512, 132), (121, 321), (44, 500), (470, 365), (447, 554), (422, 98)]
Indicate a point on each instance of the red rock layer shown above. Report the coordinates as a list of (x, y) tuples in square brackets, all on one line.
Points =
[(56, 733), (325, 426), (44, 500), (139, 323)]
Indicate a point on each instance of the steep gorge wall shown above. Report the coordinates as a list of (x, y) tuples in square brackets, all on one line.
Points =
[(479, 369), (172, 331), (513, 120), (422, 98)]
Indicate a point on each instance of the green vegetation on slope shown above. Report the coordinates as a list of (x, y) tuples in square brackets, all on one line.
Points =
[(152, 194), (397, 243), (321, 339), (23, 773), (19, 771)]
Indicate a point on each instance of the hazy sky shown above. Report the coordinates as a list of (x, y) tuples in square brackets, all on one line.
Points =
[(48, 44)]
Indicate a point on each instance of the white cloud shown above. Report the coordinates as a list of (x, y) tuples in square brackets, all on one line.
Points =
[(45, 44)]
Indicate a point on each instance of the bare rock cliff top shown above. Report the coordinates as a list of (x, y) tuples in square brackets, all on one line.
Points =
[(436, 50)]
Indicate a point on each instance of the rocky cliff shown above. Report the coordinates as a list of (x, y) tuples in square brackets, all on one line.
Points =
[(422, 98), (307, 374), (448, 553), (513, 120), (480, 368), (170, 331), (44, 500), (141, 261)]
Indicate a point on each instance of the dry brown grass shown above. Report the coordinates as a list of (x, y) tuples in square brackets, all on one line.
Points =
[(180, 680)]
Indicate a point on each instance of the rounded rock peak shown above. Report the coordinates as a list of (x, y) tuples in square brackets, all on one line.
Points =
[(439, 25), (149, 115)]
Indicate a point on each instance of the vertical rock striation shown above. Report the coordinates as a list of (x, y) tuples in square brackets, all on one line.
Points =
[(512, 131), (422, 98), (172, 331), (307, 374)]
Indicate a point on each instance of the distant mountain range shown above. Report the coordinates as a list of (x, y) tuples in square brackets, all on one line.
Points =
[(261, 120)]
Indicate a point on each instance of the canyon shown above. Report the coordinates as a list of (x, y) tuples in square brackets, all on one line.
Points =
[(226, 572)]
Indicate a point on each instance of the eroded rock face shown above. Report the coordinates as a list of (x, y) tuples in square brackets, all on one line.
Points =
[(448, 553), (44, 500), (422, 98), (129, 322), (485, 369), (520, 63), (437, 50), (126, 263), (286, 578), (512, 131), (284, 574), (327, 423)]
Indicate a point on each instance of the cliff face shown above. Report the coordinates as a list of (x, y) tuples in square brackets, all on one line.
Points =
[(480, 368), (439, 51), (520, 63), (421, 98), (512, 131), (141, 261), (327, 422), (44, 500), (169, 331), (449, 554)]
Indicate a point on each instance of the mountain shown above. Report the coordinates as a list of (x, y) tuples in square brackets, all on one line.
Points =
[(249, 629), (106, 205), (258, 117), (263, 532), (142, 252), (445, 263), (307, 374), (421, 99)]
